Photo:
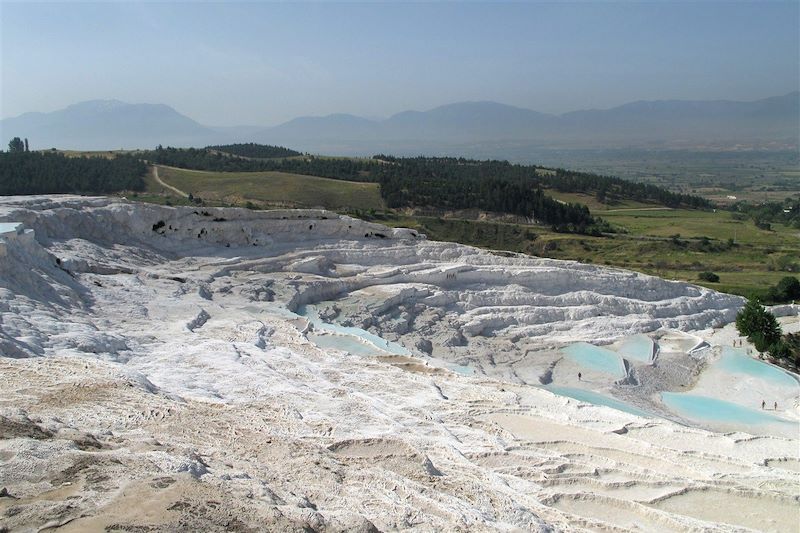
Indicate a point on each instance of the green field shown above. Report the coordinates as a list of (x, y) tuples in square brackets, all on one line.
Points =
[(271, 189), (695, 224)]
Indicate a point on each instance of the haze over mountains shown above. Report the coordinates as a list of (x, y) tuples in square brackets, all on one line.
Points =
[(473, 126)]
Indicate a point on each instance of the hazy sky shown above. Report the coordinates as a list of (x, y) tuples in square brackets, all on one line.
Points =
[(262, 63)]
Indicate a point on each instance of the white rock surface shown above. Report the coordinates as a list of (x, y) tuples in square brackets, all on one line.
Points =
[(155, 376)]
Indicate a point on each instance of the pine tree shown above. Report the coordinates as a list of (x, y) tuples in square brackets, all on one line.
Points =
[(16, 145), (758, 325)]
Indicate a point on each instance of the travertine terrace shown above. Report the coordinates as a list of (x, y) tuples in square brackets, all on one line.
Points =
[(170, 369)]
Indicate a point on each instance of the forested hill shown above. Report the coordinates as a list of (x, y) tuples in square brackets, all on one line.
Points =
[(407, 174), (451, 183), (609, 187), (389, 169), (52, 172), (256, 151)]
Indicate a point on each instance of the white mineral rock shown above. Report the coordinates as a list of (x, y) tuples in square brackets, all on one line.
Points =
[(155, 375)]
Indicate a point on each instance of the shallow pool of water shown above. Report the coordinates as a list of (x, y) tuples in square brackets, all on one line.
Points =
[(346, 343), (598, 399), (736, 361), (361, 336), (706, 409), (638, 348), (9, 226), (462, 369), (596, 358)]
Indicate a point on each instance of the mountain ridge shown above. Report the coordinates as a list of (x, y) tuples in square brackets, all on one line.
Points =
[(109, 124)]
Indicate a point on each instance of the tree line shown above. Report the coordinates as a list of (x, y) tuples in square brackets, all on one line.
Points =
[(606, 188), (611, 188), (453, 184), (52, 172), (258, 151)]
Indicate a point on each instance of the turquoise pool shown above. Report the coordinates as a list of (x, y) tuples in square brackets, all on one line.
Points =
[(353, 337), (705, 409), (6, 227), (736, 361), (346, 343), (596, 358), (598, 399), (638, 347), (462, 369)]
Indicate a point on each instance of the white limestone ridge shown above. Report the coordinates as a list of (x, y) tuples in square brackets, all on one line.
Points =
[(518, 295), (162, 370)]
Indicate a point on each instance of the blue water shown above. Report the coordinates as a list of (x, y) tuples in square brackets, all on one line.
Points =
[(598, 399), (462, 369), (346, 343), (638, 347), (8, 226), (707, 409), (596, 358), (359, 336), (736, 361)]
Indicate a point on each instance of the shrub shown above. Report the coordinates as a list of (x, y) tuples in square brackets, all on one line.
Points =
[(708, 276), (786, 290), (781, 350), (786, 263)]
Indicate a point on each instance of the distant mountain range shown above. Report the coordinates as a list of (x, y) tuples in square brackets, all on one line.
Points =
[(106, 125), (111, 124)]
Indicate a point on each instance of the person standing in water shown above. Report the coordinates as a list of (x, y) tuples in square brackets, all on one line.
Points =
[(579, 376), (775, 406), (763, 404)]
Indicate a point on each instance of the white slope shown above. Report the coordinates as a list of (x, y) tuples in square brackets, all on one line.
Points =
[(156, 376)]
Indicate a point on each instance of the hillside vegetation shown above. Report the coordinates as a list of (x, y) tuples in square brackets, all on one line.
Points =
[(52, 172), (406, 171), (253, 150), (453, 183), (212, 160), (274, 189)]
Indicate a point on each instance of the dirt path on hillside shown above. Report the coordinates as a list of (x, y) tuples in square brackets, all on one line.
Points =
[(626, 209), (166, 185)]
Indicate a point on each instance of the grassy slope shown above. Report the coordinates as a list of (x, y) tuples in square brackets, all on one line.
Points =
[(590, 201), (275, 188), (748, 266)]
